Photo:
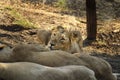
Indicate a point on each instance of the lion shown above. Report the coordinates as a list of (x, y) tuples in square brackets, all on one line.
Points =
[(43, 36), (60, 38), (6, 52), (56, 58), (76, 41), (98, 63), (33, 71), (34, 47)]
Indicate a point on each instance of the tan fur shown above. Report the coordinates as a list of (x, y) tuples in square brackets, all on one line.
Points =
[(32, 71), (5, 53), (61, 58), (49, 58), (99, 65), (59, 40), (76, 41), (62, 39), (101, 68), (44, 36), (33, 47)]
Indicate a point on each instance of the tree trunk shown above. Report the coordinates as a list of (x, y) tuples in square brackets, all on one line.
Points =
[(91, 19)]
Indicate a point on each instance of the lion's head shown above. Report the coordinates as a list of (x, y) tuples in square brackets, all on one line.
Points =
[(59, 39), (62, 39)]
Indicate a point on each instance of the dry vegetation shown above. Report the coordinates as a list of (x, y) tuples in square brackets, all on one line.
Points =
[(29, 15)]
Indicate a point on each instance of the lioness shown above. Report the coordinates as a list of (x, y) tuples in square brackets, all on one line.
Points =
[(44, 36), (33, 71), (63, 39), (54, 58), (102, 69), (6, 52)]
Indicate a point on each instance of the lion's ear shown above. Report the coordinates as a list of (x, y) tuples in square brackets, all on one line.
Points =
[(1, 46), (59, 28), (44, 36)]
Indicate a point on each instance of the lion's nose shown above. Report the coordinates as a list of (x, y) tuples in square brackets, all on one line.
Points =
[(52, 44)]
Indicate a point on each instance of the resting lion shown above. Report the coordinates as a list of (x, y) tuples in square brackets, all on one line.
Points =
[(102, 68), (44, 36), (6, 52), (33, 71), (60, 38)]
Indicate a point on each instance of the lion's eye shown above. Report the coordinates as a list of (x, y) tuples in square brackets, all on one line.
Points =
[(54, 34)]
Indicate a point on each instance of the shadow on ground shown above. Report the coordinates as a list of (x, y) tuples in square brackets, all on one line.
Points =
[(13, 28)]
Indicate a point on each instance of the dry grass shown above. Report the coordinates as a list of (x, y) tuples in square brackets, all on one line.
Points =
[(10, 8)]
